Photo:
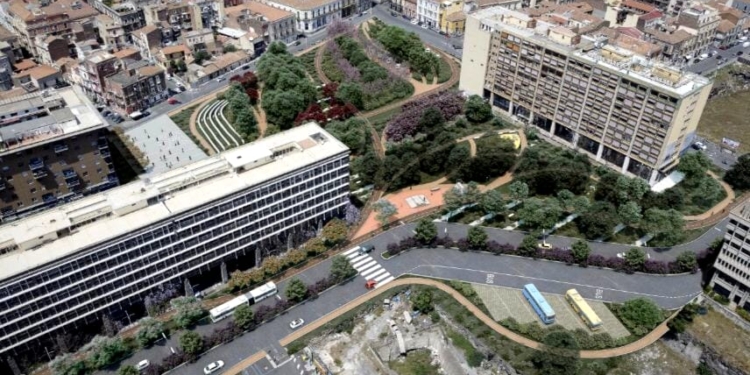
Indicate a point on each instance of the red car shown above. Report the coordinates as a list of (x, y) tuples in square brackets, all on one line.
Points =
[(172, 101)]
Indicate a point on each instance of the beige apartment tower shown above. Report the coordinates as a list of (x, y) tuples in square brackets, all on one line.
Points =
[(622, 109), (732, 276)]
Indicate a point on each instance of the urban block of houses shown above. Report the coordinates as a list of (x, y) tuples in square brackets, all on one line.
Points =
[(198, 74)]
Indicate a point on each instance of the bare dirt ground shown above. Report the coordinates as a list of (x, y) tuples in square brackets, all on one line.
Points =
[(421, 87), (657, 359)]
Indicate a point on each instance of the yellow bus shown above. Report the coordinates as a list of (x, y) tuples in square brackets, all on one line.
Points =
[(583, 309)]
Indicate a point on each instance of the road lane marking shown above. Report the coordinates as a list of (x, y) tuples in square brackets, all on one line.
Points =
[(372, 274), (364, 262), (383, 276), (554, 281), (351, 250)]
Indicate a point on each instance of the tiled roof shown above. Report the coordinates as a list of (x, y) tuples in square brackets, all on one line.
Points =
[(174, 49), (305, 4), (271, 13), (24, 64), (677, 36), (148, 29), (652, 15), (42, 71), (123, 53), (725, 26), (638, 5)]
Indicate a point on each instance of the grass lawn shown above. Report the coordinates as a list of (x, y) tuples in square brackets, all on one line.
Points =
[(627, 236), (730, 340), (418, 362), (727, 117), (569, 230), (379, 121)]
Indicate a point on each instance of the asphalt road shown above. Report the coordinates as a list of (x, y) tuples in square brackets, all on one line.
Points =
[(457, 231), (508, 271), (710, 64), (718, 156)]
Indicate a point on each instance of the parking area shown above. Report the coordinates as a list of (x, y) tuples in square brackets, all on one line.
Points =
[(504, 303)]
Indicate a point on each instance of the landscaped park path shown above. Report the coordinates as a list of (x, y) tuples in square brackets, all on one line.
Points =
[(434, 190)]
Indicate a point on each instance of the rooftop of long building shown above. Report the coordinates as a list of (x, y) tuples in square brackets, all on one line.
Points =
[(62, 231), (595, 50)]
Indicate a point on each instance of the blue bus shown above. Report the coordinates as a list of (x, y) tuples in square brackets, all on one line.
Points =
[(540, 305)]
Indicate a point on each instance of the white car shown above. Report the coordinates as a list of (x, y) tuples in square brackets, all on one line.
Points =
[(142, 365), (213, 367), (699, 146), (414, 21), (296, 323)]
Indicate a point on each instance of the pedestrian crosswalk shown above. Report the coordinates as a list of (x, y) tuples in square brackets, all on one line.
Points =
[(368, 267)]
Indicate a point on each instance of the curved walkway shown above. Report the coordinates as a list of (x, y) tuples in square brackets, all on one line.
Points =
[(434, 190), (586, 354), (194, 126)]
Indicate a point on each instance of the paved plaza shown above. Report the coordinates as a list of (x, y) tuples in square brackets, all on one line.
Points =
[(504, 303), (164, 144)]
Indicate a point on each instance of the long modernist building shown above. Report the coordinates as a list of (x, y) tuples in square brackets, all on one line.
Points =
[(66, 266), (586, 92)]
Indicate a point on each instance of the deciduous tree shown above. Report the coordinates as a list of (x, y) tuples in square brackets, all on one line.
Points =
[(635, 258), (191, 343), (539, 213), (739, 175), (243, 316), (426, 231), (477, 109), (341, 269), (422, 301), (385, 211), (296, 290), (477, 238), (580, 251)]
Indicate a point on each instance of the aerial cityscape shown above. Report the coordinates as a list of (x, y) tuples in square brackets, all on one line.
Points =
[(402, 187)]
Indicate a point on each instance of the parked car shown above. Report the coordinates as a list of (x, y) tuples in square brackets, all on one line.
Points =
[(213, 367), (365, 249), (220, 79), (296, 323), (172, 101), (699, 146), (414, 21), (739, 53), (142, 365), (544, 246)]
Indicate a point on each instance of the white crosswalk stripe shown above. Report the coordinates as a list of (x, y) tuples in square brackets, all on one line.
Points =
[(365, 264), (368, 267), (351, 250), (373, 272), (386, 281), (381, 277)]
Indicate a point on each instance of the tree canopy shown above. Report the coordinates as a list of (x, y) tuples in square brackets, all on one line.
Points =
[(541, 214), (739, 175), (640, 315), (477, 109)]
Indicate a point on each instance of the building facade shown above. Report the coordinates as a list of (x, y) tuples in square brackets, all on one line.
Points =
[(428, 13), (623, 110), (92, 71), (136, 88), (732, 276), (53, 150), (29, 19), (106, 252), (148, 41), (127, 15), (316, 15), (270, 23)]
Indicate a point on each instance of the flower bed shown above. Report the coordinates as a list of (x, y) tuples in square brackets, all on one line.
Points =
[(363, 82)]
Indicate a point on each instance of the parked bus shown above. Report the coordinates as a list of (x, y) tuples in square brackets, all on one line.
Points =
[(262, 292), (583, 309), (225, 309), (540, 305)]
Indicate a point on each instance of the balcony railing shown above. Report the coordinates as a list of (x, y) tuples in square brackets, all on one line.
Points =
[(69, 173), (73, 182), (39, 173), (49, 198), (36, 164), (61, 147)]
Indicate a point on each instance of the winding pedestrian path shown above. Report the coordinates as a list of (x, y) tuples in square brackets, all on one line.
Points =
[(643, 342)]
